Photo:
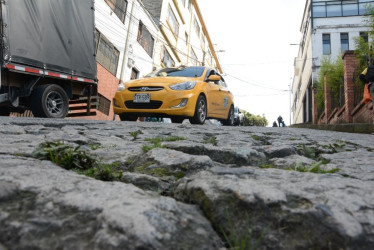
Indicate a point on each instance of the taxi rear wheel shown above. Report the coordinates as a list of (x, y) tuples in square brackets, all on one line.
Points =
[(230, 118), (126, 117), (200, 111)]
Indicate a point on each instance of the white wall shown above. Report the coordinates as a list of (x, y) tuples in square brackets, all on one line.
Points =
[(116, 32)]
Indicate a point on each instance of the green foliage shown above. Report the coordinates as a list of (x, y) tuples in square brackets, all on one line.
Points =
[(314, 168), (211, 140), (74, 158), (157, 142), (135, 134), (363, 52), (254, 120), (241, 242), (334, 72)]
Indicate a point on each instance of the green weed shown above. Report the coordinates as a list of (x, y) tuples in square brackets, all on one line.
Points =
[(243, 241), (135, 134), (211, 140), (76, 159), (315, 168), (157, 142)]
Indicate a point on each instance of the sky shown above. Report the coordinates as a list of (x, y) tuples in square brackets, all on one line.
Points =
[(258, 59)]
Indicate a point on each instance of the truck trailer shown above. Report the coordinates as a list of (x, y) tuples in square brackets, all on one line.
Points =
[(47, 51)]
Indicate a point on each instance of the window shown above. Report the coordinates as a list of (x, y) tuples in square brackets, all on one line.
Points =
[(134, 74), (350, 9), (363, 4), (193, 57), (119, 7), (326, 44), (189, 4), (365, 36), (172, 21), (333, 8), (202, 38), (107, 55), (104, 105), (344, 41), (166, 59), (197, 27), (145, 39)]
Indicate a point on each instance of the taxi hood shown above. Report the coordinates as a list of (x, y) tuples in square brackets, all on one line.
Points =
[(160, 81)]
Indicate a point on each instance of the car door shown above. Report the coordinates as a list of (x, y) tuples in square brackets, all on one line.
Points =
[(224, 99), (213, 95)]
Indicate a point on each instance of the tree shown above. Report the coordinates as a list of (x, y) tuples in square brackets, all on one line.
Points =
[(254, 120)]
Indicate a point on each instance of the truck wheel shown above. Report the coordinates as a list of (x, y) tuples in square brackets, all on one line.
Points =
[(4, 111), (49, 101)]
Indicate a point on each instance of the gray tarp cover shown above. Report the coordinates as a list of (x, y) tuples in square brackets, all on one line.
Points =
[(57, 34)]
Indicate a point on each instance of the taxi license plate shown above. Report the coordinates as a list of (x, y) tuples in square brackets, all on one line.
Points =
[(142, 98)]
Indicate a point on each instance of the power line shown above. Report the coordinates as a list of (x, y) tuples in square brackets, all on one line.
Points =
[(255, 84)]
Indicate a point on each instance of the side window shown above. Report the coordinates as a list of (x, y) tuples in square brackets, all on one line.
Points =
[(107, 54), (119, 7), (222, 82)]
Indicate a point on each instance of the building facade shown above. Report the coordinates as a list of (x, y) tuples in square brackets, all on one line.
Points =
[(125, 39), (183, 38), (328, 29)]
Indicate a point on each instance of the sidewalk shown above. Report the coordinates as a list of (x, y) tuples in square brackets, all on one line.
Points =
[(362, 128)]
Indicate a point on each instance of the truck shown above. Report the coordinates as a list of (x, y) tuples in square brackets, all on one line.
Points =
[(47, 57)]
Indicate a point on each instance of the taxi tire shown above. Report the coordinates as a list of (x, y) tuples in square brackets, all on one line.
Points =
[(200, 107), (230, 118), (126, 117)]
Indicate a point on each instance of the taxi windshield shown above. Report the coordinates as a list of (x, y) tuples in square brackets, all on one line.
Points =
[(179, 72)]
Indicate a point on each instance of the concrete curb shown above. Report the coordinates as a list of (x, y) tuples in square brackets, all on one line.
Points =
[(361, 128)]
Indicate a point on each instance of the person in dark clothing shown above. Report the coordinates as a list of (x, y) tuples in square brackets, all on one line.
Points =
[(275, 124), (281, 122), (367, 76)]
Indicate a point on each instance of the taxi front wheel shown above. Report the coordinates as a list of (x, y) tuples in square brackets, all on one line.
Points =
[(200, 111)]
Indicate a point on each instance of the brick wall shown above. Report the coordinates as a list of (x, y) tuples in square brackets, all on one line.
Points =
[(349, 113), (107, 87), (350, 66)]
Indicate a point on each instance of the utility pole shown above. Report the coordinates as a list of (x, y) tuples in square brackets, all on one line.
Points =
[(127, 43)]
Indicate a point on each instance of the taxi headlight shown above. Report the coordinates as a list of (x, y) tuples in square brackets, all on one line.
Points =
[(183, 86), (121, 87)]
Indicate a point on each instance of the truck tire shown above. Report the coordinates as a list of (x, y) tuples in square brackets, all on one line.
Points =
[(49, 101), (4, 111)]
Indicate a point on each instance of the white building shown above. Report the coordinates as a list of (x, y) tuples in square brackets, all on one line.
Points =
[(130, 34), (183, 38), (328, 28)]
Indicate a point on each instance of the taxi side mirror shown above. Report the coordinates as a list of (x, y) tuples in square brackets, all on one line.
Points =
[(214, 78)]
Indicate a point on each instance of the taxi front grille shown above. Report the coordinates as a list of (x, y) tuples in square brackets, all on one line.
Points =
[(145, 89), (151, 105)]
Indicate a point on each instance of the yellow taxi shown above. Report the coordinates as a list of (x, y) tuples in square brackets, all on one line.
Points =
[(194, 93)]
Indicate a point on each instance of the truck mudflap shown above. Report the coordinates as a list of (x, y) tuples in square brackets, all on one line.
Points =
[(42, 72)]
